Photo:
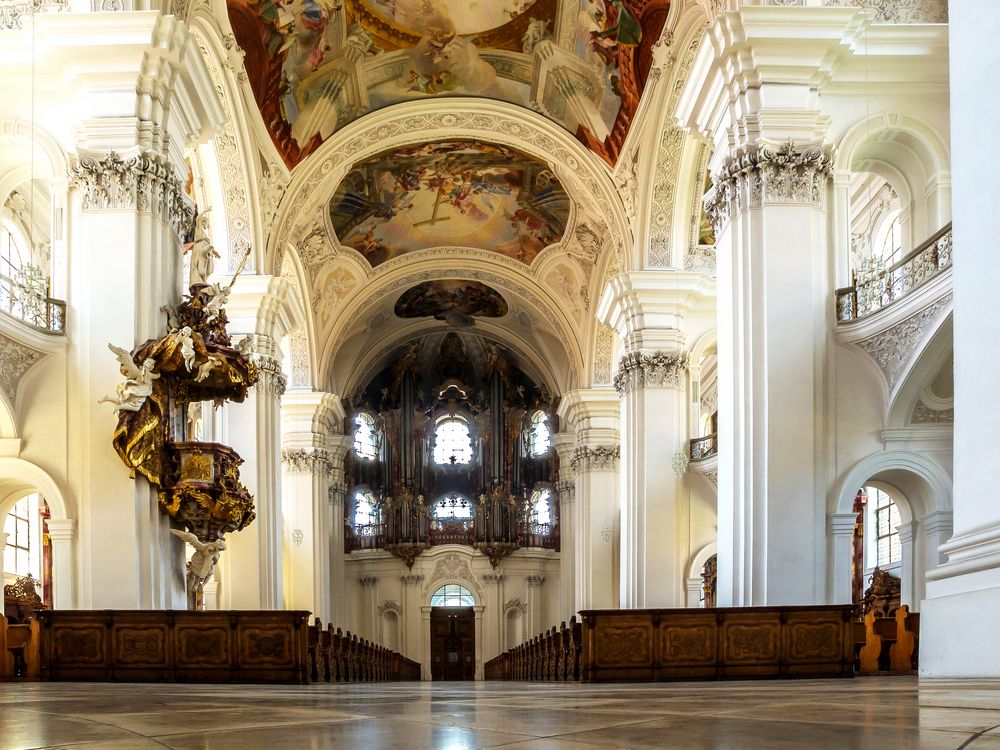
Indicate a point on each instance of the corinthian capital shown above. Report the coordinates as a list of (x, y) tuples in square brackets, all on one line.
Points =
[(652, 370), (769, 173)]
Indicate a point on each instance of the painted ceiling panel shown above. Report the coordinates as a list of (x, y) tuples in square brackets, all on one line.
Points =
[(316, 65)]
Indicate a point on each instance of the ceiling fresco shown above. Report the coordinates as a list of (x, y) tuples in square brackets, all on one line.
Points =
[(453, 193), (450, 300), (316, 65)]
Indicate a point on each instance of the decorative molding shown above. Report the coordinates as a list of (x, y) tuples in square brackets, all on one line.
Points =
[(390, 605), (411, 579), (15, 360), (137, 182), (232, 170), (701, 259), (12, 11), (603, 349), (300, 460), (368, 581), (272, 379), (656, 370), (596, 458), (680, 461), (769, 173), (668, 159), (452, 567), (892, 348), (515, 603), (892, 11), (566, 487), (924, 414), (272, 189), (534, 580), (495, 578)]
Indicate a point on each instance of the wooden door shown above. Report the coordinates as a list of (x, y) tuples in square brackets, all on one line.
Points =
[(453, 643)]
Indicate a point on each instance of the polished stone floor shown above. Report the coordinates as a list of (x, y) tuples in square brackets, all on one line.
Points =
[(878, 713)]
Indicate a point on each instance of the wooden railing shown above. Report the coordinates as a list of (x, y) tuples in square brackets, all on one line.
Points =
[(869, 295), (44, 313), (335, 656), (704, 447), (553, 656)]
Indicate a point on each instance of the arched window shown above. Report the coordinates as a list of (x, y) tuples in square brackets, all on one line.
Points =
[(890, 236), (884, 548), (452, 441), (539, 435), (365, 437), (21, 556), (452, 595), (540, 514), (365, 513), (452, 507)]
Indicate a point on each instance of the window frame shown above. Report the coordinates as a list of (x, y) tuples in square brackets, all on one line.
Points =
[(374, 515), (464, 596), (452, 418), (540, 417), (369, 419)]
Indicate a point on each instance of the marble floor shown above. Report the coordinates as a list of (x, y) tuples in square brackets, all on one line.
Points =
[(878, 713)]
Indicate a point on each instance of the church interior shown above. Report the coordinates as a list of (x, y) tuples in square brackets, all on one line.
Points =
[(389, 373)]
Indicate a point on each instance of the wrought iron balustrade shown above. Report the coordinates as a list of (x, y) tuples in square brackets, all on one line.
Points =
[(704, 447), (41, 312), (876, 290)]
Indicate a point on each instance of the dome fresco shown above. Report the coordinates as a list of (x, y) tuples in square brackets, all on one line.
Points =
[(455, 193)]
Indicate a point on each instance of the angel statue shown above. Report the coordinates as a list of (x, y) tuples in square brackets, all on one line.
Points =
[(203, 254), (202, 564), (138, 385), (218, 296)]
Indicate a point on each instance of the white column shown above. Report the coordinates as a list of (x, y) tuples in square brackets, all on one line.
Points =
[(337, 498), (425, 657), (264, 307), (369, 586), (62, 531), (963, 596), (410, 646), (937, 531), (695, 587), (842, 548), (593, 415), (564, 444), (308, 464), (534, 586), (651, 311), (910, 586), (478, 610)]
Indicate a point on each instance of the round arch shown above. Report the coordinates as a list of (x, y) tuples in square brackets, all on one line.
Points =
[(927, 478)]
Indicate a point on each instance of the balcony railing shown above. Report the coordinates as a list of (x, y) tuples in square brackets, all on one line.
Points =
[(704, 447), (38, 311), (868, 295)]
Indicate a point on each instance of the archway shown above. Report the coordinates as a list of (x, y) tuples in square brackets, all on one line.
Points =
[(452, 634)]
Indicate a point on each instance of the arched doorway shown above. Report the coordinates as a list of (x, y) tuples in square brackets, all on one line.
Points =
[(453, 634)]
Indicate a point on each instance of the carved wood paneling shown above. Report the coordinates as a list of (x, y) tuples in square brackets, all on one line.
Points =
[(174, 646)]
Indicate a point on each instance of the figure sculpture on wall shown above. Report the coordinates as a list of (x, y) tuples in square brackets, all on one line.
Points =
[(203, 254), (138, 385), (201, 566)]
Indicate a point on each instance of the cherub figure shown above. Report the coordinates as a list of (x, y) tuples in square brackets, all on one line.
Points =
[(218, 296), (138, 385), (202, 564)]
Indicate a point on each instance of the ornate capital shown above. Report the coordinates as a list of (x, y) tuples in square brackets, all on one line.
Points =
[(701, 259), (657, 370), (566, 489), (141, 182), (272, 379), (769, 173), (300, 460), (496, 578), (534, 580), (412, 580), (596, 458), (368, 580)]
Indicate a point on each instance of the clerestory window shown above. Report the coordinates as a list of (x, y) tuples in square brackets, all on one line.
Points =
[(452, 441), (365, 437)]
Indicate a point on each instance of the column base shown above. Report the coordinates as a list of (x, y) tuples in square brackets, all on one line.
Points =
[(956, 629)]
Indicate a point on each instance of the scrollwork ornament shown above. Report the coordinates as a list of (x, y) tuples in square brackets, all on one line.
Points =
[(272, 379), (302, 461), (596, 458), (655, 370)]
